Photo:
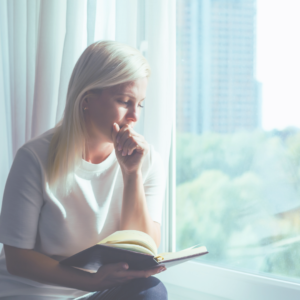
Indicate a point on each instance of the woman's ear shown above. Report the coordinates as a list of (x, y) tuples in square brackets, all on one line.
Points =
[(85, 97), (85, 100)]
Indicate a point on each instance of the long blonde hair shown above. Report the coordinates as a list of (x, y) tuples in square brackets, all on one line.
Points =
[(102, 64)]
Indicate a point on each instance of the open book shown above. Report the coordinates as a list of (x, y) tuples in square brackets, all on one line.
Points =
[(136, 248)]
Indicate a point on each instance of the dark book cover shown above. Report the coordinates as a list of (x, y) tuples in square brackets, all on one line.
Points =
[(96, 256)]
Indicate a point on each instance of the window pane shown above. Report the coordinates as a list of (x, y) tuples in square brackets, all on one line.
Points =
[(238, 137)]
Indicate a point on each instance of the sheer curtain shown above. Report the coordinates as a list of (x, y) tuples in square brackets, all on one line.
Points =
[(40, 41)]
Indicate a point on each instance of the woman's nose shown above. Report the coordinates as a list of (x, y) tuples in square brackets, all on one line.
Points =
[(133, 114)]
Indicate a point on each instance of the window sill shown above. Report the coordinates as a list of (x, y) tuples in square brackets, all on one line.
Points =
[(219, 283)]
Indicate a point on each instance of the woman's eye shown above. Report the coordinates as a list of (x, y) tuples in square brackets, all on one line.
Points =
[(123, 102), (128, 103)]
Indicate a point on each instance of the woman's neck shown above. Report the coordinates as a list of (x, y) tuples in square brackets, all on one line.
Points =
[(96, 152)]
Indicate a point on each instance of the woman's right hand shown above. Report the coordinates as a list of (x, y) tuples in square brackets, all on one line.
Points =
[(111, 275), (39, 267)]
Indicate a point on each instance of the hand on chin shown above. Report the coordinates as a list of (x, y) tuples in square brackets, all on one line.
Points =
[(130, 148)]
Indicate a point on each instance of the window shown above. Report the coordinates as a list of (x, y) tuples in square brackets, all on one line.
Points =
[(238, 175)]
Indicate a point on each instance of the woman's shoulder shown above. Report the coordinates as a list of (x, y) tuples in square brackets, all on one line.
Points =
[(38, 146)]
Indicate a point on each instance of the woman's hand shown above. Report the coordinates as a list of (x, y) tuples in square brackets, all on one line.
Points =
[(130, 148), (115, 274), (36, 266)]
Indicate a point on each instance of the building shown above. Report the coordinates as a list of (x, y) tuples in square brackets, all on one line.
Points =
[(216, 86)]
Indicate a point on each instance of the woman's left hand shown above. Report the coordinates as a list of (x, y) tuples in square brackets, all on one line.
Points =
[(130, 148)]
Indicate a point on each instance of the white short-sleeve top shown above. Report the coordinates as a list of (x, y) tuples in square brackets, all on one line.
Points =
[(32, 217)]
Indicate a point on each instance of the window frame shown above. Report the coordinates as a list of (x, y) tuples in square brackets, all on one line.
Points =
[(222, 283), (212, 280)]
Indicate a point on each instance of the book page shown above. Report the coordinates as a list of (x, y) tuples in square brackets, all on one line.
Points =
[(131, 247), (134, 237), (174, 255)]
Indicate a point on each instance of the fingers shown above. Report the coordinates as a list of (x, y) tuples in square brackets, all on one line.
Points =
[(123, 135), (129, 147), (122, 270), (114, 274), (119, 266), (127, 140)]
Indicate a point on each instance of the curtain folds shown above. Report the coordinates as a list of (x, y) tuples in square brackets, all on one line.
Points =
[(40, 41)]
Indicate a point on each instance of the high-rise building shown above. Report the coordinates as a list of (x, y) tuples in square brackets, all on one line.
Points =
[(216, 86)]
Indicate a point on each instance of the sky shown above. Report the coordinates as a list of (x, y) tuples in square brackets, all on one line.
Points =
[(278, 62)]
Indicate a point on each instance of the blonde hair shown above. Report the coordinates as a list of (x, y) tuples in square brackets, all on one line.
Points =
[(102, 64)]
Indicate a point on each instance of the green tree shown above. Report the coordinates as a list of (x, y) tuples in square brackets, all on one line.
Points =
[(234, 193), (212, 207)]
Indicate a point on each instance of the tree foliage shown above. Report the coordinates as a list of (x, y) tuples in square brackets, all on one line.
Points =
[(236, 194)]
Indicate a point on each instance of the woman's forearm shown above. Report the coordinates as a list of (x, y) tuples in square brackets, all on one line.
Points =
[(134, 209), (41, 268)]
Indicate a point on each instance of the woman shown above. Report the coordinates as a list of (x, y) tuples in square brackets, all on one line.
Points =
[(79, 182)]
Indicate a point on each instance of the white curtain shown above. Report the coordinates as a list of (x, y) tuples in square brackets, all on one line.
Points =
[(40, 41)]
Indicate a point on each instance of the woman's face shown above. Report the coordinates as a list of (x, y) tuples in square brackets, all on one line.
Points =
[(119, 104)]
